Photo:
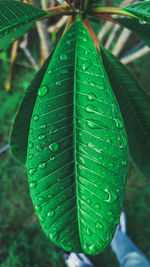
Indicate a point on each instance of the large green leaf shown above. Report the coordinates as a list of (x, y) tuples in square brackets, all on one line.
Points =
[(141, 10), (77, 150), (20, 128), (16, 19), (135, 108), (142, 30)]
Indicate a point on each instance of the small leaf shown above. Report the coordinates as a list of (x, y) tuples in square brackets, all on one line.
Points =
[(142, 30), (16, 19), (141, 10), (77, 151), (20, 127), (135, 108)]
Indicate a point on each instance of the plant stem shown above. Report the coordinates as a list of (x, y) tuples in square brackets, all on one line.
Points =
[(111, 10)]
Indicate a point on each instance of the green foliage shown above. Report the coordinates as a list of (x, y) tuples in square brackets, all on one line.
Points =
[(142, 30), (77, 148), (135, 108), (16, 19), (20, 128), (140, 10)]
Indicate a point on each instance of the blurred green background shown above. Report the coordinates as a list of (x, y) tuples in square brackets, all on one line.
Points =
[(22, 241)]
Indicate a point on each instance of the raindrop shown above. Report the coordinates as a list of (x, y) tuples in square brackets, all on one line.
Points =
[(124, 162), (36, 118), (38, 208), (93, 84), (42, 136), (97, 206), (42, 91), (38, 147), (92, 96), (51, 213), (109, 213), (123, 141), (89, 231), (99, 226), (31, 145), (53, 236), (32, 185), (58, 83), (89, 201), (89, 108), (41, 218), (92, 125), (43, 126), (86, 65), (111, 197), (41, 198), (54, 147), (31, 131), (42, 165), (30, 156), (64, 57), (119, 123), (53, 129), (52, 158), (49, 196), (32, 171), (111, 164)]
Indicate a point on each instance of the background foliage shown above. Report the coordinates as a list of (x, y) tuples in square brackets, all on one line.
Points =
[(22, 242)]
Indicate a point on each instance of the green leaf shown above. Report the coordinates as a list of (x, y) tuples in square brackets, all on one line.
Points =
[(135, 108), (142, 30), (77, 151), (16, 19), (117, 2), (20, 128), (141, 10)]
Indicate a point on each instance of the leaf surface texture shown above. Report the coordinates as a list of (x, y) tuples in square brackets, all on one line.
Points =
[(16, 19), (77, 151), (135, 108), (141, 10)]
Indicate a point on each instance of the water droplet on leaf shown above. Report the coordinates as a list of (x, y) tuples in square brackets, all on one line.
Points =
[(99, 226), (54, 147), (42, 91), (58, 83), (36, 118), (64, 57), (42, 136), (31, 145), (92, 97), (42, 165), (38, 208), (33, 184)]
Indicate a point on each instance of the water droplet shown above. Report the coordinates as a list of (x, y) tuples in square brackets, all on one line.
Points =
[(93, 84), (119, 123), (53, 236), (62, 187), (31, 131), (38, 147), (89, 108), (92, 125), (36, 118), (32, 171), (84, 39), (97, 206), (30, 156), (51, 213), (42, 91), (54, 147), (52, 158), (31, 145), (124, 162), (41, 218), (41, 198), (92, 96), (89, 231), (38, 208), (50, 71), (42, 136), (32, 185), (86, 65), (43, 126), (42, 165), (53, 129), (89, 201), (123, 141), (142, 22), (58, 83), (49, 196), (109, 213), (64, 57), (99, 226), (111, 197)]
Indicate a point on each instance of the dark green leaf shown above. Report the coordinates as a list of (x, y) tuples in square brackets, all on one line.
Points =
[(135, 108), (77, 150), (20, 127), (141, 10), (142, 30), (16, 19)]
